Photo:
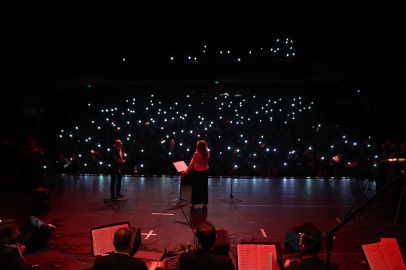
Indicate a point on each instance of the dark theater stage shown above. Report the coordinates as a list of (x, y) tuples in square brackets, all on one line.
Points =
[(269, 207), (317, 88)]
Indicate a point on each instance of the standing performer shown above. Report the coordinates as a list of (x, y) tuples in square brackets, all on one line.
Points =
[(31, 158), (117, 161), (199, 164)]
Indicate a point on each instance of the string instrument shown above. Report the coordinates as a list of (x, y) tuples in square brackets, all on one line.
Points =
[(20, 250), (188, 247)]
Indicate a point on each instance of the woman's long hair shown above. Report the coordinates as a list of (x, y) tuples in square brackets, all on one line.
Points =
[(202, 148)]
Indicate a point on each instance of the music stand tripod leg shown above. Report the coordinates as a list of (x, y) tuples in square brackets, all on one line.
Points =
[(400, 201), (117, 201), (180, 194), (231, 194)]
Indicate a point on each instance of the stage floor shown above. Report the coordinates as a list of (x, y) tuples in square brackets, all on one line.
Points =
[(269, 207)]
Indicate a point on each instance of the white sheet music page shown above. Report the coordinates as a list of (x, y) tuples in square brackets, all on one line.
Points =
[(375, 257), (247, 257), (180, 166), (392, 254), (263, 257), (102, 241)]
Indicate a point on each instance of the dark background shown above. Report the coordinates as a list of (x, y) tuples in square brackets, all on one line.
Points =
[(50, 53)]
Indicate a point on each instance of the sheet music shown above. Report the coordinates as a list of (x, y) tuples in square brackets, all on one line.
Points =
[(116, 228), (102, 241), (180, 166), (263, 257), (392, 254), (375, 257), (391, 240), (247, 257)]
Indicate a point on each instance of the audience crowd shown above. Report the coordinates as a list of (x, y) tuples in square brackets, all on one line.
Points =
[(280, 48), (246, 135)]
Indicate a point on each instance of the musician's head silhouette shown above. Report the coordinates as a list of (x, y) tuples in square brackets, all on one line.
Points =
[(8, 232)]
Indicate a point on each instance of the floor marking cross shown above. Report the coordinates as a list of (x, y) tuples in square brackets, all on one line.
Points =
[(148, 234)]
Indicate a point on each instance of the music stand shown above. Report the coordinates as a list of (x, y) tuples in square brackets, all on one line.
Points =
[(180, 166)]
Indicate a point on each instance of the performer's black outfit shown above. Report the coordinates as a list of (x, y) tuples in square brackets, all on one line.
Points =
[(119, 261), (116, 172), (204, 259), (200, 187), (30, 167), (11, 259)]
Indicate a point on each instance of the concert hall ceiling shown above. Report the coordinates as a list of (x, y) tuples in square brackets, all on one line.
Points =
[(129, 44)]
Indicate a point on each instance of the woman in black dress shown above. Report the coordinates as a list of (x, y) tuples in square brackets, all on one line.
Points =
[(200, 167)]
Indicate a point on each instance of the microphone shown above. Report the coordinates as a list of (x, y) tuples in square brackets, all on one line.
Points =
[(394, 161)]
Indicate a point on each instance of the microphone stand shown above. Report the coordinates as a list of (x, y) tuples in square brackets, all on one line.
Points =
[(194, 234), (231, 193), (362, 191), (328, 235)]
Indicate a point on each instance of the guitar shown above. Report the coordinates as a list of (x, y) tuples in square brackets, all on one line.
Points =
[(20, 249)]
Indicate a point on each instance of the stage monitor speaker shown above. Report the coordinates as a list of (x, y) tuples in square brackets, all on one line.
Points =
[(222, 243), (35, 233), (137, 239), (292, 236)]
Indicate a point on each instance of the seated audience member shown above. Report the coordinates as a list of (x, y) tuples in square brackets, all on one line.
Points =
[(322, 172), (205, 258), (310, 260), (250, 171), (299, 171), (400, 151), (121, 258), (271, 171), (312, 170), (261, 170), (10, 256)]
